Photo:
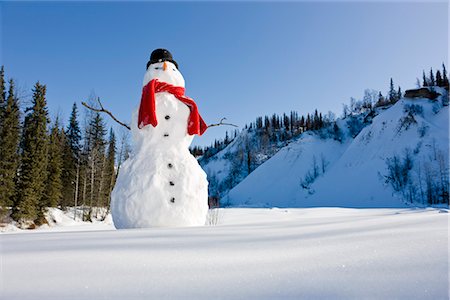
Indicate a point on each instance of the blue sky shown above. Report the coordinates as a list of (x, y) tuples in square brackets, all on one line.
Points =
[(240, 60)]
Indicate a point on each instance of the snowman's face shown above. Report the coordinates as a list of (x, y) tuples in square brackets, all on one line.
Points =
[(166, 72)]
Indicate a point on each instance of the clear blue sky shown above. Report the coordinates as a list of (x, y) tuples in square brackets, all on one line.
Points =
[(240, 60)]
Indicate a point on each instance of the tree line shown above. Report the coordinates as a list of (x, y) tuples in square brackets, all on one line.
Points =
[(439, 79), (46, 164)]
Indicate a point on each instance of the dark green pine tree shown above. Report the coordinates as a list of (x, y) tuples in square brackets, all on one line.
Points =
[(432, 81), (96, 159), (110, 173), (2, 94), (392, 92), (439, 81), (33, 173), (399, 93), (9, 148), (71, 160), (315, 121), (308, 123), (444, 77), (424, 79), (69, 172), (53, 191), (73, 131)]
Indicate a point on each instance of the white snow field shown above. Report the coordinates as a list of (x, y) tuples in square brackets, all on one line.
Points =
[(309, 253)]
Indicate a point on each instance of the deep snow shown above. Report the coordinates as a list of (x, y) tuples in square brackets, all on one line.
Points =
[(316, 253)]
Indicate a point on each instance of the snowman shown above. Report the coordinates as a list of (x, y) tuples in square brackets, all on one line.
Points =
[(162, 184)]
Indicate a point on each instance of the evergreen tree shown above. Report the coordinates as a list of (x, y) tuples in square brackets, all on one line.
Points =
[(302, 123), (439, 81), (399, 93), (444, 77), (286, 122), (96, 158), (33, 172), (53, 190), (392, 93), (110, 174), (73, 131), (226, 141), (2, 95), (69, 174), (381, 100), (432, 82), (425, 79), (337, 133), (71, 160), (9, 148), (308, 122)]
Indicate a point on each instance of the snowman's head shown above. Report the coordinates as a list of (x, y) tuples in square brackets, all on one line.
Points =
[(165, 71)]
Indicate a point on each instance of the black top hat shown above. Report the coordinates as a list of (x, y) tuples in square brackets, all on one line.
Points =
[(160, 55)]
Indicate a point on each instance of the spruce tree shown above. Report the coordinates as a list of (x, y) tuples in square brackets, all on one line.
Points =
[(381, 101), (432, 81), (110, 174), (392, 92), (33, 173), (69, 173), (71, 139), (95, 159), (315, 121), (444, 77), (73, 131), (2, 95), (9, 148), (425, 79), (53, 190), (399, 93), (439, 81)]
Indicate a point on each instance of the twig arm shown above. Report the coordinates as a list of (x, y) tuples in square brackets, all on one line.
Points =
[(103, 110), (222, 123)]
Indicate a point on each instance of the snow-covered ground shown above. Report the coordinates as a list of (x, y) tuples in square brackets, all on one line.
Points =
[(327, 253)]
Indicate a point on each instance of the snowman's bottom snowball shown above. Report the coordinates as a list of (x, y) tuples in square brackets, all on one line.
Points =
[(149, 193)]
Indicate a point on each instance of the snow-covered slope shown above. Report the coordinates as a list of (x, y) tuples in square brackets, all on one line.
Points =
[(318, 253), (355, 170), (232, 164), (277, 182)]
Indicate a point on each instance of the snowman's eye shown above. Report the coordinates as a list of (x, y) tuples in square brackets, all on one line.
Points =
[(157, 68), (173, 69)]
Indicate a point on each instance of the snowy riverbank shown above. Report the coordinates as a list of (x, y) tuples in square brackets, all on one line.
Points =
[(250, 254)]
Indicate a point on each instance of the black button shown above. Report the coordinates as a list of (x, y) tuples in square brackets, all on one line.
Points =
[(172, 200), (170, 165), (166, 134), (167, 117), (171, 183)]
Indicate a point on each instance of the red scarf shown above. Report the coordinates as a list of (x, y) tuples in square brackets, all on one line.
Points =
[(147, 109)]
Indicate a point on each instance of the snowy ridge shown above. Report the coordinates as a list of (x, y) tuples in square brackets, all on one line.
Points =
[(352, 173)]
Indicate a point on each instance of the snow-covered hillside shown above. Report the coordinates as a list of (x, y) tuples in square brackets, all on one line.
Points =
[(316, 253), (239, 158), (314, 171)]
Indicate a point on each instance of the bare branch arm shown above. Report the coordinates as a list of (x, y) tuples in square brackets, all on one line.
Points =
[(222, 123), (101, 109)]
